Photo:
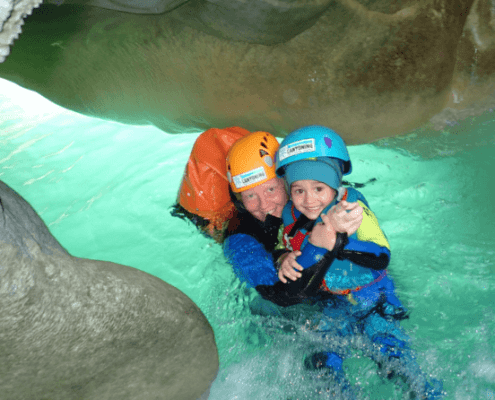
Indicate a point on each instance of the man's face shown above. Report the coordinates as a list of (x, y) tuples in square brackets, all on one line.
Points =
[(268, 198), (311, 197)]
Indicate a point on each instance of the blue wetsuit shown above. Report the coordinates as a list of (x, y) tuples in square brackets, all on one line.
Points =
[(354, 291), (364, 299), (250, 246)]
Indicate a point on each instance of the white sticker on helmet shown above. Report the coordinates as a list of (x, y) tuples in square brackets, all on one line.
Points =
[(268, 161), (250, 177), (295, 148)]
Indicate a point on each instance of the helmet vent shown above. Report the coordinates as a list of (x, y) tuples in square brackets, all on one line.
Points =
[(263, 144), (263, 153)]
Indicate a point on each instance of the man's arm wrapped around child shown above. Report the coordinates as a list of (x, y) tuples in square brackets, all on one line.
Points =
[(368, 248)]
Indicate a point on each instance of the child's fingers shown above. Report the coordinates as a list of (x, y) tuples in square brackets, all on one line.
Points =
[(292, 274), (290, 267), (281, 277), (294, 265), (297, 266), (295, 275)]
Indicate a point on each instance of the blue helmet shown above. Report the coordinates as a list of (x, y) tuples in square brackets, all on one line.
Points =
[(312, 142)]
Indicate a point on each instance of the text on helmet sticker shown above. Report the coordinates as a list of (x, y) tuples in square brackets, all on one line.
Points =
[(295, 148), (248, 178)]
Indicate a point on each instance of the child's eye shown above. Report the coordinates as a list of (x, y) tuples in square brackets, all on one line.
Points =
[(271, 189), (319, 188)]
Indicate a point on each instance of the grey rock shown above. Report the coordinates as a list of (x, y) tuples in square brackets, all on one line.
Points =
[(75, 328), (368, 69)]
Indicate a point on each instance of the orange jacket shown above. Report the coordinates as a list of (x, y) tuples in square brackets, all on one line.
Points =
[(204, 190)]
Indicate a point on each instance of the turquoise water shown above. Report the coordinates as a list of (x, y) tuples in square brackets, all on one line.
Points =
[(105, 189)]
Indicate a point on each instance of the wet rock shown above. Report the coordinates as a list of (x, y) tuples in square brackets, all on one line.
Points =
[(74, 328)]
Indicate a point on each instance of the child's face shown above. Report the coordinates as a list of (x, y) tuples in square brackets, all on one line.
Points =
[(311, 197)]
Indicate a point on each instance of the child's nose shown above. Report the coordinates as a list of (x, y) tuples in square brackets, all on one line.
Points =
[(308, 197)]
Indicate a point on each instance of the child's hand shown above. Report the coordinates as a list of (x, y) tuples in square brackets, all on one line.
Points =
[(289, 267), (346, 217), (323, 233)]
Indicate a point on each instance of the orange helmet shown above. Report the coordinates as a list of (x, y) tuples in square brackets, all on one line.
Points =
[(251, 161)]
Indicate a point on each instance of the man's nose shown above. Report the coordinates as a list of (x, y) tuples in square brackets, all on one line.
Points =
[(264, 203)]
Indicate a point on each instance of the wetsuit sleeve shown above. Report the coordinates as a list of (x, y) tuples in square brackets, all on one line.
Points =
[(371, 248), (250, 260)]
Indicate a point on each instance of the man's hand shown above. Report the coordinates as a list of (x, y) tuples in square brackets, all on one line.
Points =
[(323, 233), (346, 217)]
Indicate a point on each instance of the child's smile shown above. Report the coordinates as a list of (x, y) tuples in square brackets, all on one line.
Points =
[(311, 197)]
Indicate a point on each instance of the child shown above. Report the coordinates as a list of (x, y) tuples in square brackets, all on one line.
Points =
[(350, 261)]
